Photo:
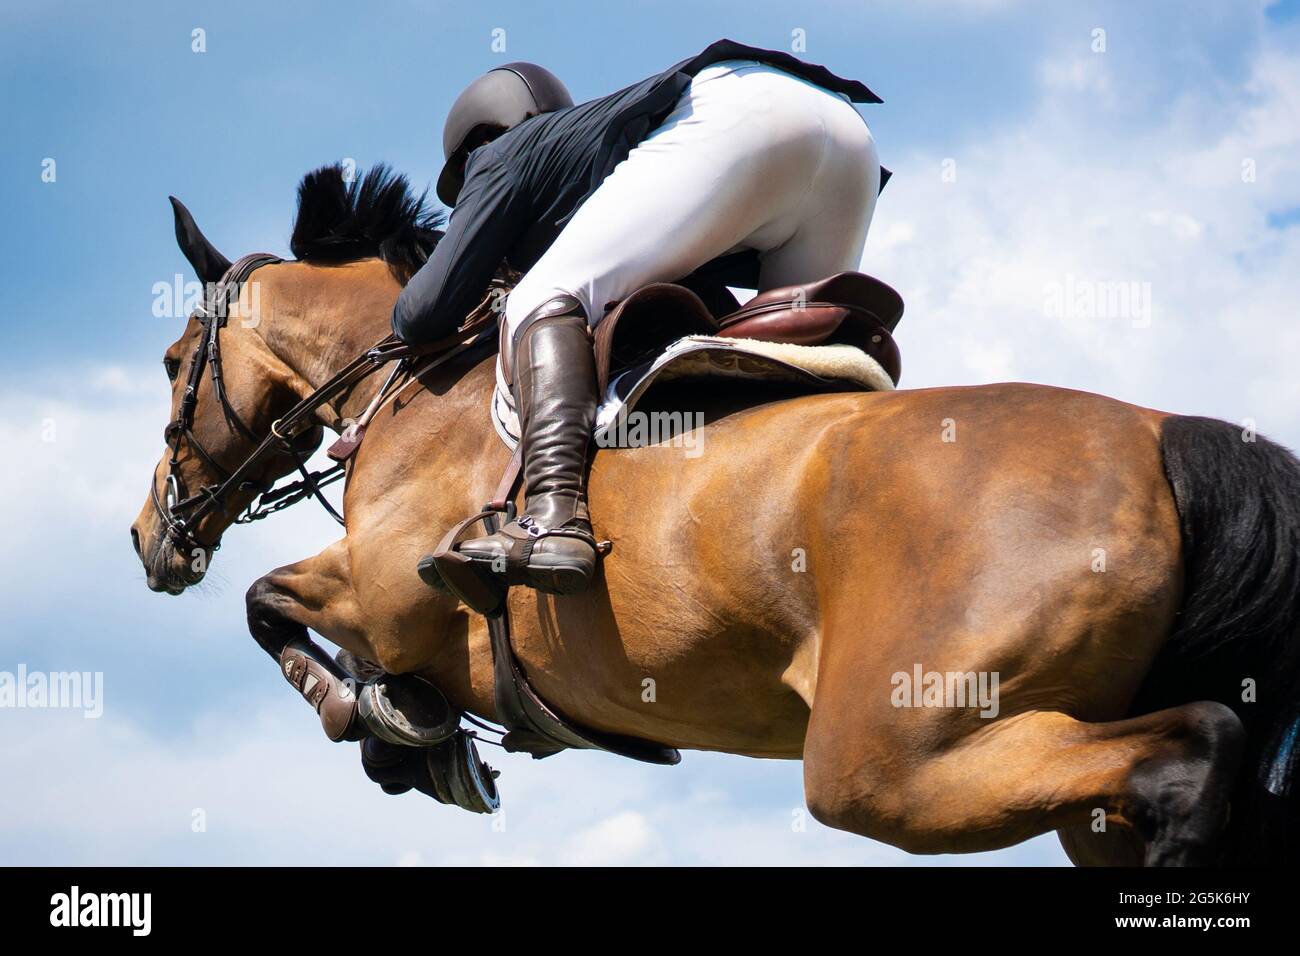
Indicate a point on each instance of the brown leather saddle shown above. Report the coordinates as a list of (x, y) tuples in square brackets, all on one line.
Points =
[(848, 308)]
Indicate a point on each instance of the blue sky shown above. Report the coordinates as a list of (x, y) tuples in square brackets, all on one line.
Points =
[(1071, 165)]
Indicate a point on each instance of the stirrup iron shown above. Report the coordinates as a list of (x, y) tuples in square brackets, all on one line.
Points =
[(477, 586)]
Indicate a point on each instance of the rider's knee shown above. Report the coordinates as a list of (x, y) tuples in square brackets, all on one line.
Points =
[(529, 296)]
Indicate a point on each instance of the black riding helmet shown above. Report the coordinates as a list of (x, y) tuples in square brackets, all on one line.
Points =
[(498, 100)]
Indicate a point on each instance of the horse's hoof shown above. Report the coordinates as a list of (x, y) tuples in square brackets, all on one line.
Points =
[(406, 710)]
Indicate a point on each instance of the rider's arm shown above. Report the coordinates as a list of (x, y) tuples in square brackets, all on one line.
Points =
[(481, 230)]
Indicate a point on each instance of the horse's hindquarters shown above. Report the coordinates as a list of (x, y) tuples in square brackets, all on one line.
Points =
[(1008, 566)]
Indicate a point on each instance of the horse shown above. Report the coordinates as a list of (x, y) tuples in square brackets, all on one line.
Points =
[(1126, 580)]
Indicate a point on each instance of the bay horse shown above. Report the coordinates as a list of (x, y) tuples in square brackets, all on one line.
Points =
[(1130, 578)]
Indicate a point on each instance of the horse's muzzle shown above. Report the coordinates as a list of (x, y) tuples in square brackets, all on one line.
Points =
[(166, 570)]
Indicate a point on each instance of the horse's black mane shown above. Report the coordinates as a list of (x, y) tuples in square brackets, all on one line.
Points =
[(373, 215)]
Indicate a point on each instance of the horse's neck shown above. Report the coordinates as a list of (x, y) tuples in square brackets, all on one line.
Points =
[(322, 319)]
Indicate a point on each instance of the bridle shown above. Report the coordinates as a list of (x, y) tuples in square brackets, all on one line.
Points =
[(181, 514)]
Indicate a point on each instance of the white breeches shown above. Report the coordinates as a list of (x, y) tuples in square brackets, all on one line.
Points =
[(751, 158)]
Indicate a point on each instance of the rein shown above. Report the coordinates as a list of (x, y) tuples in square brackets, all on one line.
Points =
[(181, 515)]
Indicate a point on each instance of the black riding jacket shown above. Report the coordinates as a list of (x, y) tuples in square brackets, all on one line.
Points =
[(521, 189)]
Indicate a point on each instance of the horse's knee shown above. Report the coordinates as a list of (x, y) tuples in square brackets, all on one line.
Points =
[(885, 821), (1200, 734), (267, 622), (835, 809), (261, 597), (826, 808), (278, 613)]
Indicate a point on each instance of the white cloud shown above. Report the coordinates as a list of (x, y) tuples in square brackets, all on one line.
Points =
[(81, 441), (270, 789), (1078, 73), (623, 838), (119, 380), (1073, 196), (82, 444)]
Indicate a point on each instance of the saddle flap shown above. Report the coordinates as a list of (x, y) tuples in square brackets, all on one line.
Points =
[(644, 323)]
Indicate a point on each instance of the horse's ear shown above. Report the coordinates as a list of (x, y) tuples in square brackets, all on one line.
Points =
[(209, 264)]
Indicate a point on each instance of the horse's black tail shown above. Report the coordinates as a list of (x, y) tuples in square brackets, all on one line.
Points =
[(1237, 638)]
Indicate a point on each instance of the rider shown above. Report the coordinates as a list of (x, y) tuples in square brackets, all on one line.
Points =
[(739, 166)]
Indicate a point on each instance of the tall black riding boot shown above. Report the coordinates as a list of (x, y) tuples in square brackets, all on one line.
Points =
[(550, 546)]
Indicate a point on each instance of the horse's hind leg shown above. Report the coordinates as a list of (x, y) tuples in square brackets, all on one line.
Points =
[(1168, 775)]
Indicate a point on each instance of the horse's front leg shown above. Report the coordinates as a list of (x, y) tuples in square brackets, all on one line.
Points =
[(314, 594), (407, 729), (354, 698)]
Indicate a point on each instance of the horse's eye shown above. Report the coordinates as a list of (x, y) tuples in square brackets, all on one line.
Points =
[(173, 368)]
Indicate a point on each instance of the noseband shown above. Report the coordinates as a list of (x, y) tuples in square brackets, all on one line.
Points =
[(182, 514)]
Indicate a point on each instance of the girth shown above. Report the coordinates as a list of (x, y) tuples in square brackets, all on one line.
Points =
[(449, 768), (532, 726), (847, 307)]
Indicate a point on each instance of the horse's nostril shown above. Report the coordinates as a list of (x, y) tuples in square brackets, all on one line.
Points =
[(135, 540)]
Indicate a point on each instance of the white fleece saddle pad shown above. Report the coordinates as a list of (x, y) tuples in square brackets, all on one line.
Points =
[(817, 368)]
